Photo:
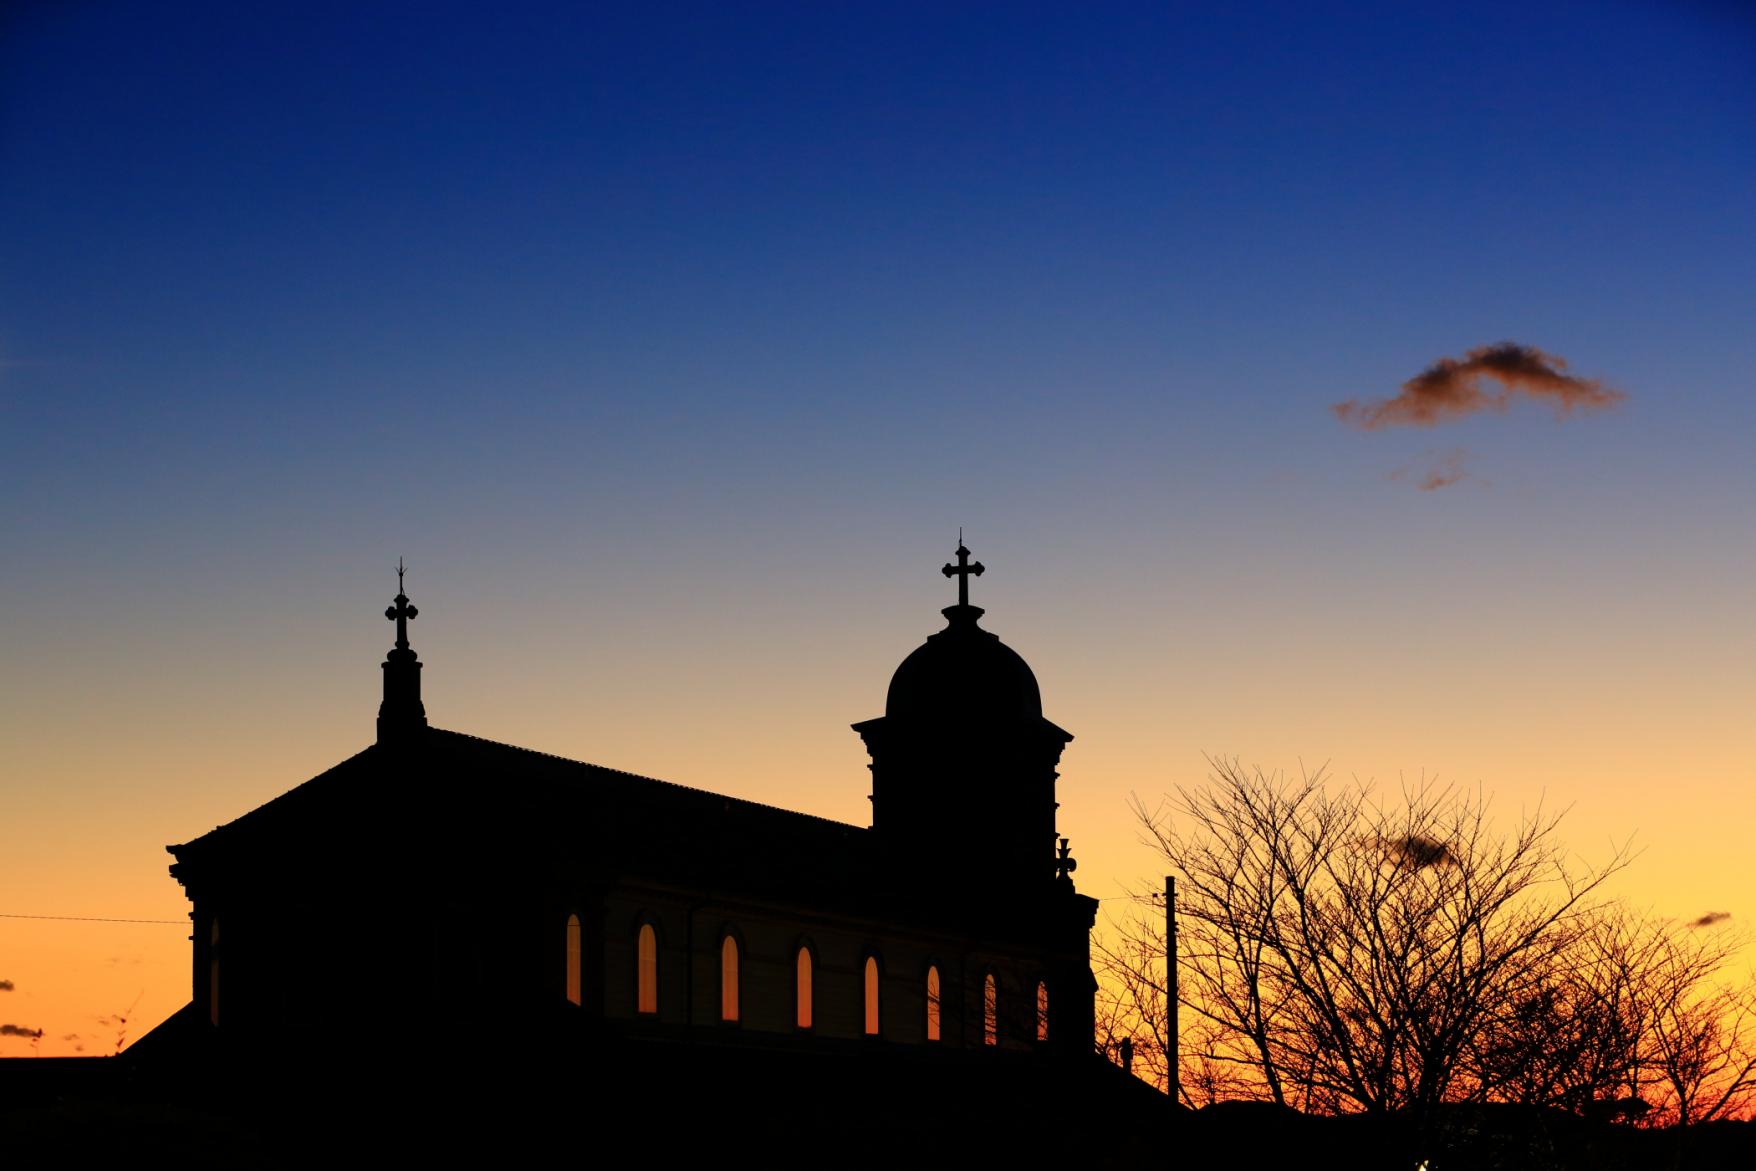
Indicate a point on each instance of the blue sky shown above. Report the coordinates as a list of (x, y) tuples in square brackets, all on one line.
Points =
[(733, 206), (264, 265)]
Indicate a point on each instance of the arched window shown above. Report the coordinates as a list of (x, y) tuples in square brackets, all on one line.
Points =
[(647, 969), (871, 996), (990, 1010), (728, 979), (575, 964), (932, 1004), (1042, 1011), (804, 986), (213, 971)]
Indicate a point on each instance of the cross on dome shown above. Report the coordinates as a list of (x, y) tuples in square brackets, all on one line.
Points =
[(962, 571)]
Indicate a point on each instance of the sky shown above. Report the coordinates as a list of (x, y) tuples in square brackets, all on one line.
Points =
[(672, 344)]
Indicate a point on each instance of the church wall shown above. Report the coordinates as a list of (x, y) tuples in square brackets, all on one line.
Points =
[(298, 965), (255, 963), (769, 936)]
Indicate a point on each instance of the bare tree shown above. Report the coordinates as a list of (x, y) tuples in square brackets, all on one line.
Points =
[(1570, 1034), (1630, 1019), (1700, 1033), (1131, 1004), (1341, 953)]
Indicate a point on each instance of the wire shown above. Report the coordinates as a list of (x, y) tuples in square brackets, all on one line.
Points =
[(95, 919)]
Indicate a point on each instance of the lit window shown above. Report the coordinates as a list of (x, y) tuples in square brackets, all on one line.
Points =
[(575, 969), (990, 1011), (932, 1004), (1042, 1011), (804, 984), (871, 996), (648, 969), (728, 979)]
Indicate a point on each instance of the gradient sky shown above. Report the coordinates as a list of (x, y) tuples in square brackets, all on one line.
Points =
[(671, 344)]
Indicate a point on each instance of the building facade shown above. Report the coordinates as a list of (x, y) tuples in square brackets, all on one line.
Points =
[(438, 876)]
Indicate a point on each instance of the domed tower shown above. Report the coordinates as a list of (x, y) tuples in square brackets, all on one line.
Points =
[(963, 762)]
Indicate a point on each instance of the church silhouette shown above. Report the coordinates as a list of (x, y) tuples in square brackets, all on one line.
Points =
[(513, 911)]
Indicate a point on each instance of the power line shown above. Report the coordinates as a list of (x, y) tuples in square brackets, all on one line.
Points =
[(185, 922), (95, 919)]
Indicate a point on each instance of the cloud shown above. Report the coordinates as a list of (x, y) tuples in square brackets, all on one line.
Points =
[(1443, 469), (19, 1031), (1709, 919), (1419, 852), (1452, 389), (7, 986)]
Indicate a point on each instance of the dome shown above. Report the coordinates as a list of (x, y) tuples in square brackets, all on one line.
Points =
[(964, 673)]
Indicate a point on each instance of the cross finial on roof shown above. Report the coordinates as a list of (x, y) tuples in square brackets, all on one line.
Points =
[(401, 611), (402, 713), (962, 570)]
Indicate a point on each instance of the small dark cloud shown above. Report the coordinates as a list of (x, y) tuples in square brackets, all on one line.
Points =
[(70, 1036), (1453, 388), (1419, 852), (1709, 919), (7, 985), (20, 1031), (1435, 470)]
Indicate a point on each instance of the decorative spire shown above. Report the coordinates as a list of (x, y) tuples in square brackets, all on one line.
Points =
[(402, 712)]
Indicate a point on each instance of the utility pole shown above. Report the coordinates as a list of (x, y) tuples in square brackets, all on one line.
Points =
[(1173, 1079)]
